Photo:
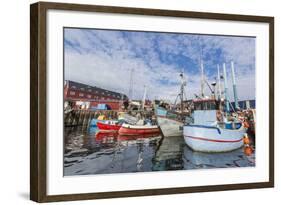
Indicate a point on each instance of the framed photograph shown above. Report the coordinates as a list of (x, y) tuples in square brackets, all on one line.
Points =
[(135, 102)]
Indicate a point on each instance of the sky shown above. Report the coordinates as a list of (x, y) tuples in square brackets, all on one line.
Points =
[(110, 59)]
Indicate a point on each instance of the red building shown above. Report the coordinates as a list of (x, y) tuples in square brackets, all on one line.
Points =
[(92, 96)]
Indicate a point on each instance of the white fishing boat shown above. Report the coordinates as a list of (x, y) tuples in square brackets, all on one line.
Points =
[(209, 133), (214, 129)]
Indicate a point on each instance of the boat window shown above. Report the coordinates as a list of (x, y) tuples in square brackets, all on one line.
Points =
[(208, 105)]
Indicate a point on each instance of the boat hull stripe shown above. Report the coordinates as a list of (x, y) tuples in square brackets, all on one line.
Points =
[(213, 140)]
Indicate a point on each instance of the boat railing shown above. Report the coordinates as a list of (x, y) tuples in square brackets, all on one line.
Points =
[(230, 125)]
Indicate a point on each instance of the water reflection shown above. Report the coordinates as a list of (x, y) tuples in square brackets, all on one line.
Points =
[(96, 152), (168, 155), (199, 160)]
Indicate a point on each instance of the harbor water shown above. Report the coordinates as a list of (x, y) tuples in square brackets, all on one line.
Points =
[(91, 152)]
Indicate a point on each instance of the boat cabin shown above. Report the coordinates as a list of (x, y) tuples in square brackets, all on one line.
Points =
[(206, 104), (205, 111)]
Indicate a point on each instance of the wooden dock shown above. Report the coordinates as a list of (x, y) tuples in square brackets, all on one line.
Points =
[(82, 118)]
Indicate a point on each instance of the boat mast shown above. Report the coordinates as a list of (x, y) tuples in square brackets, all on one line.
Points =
[(182, 90), (219, 83), (225, 89), (131, 84), (181, 94), (201, 69), (143, 99), (234, 87), (121, 101), (202, 77)]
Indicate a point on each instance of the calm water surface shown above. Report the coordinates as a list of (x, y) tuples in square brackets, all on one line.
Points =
[(93, 152)]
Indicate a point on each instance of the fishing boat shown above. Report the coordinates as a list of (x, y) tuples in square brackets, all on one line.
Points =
[(171, 123), (110, 125), (127, 129), (214, 128), (170, 127), (211, 132)]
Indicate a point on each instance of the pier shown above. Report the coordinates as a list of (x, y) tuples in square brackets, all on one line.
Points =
[(82, 118)]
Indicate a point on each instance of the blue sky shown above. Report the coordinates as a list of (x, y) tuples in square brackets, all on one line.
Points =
[(105, 58)]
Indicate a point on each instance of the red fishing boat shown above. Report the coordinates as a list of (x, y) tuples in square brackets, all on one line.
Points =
[(109, 125), (127, 129)]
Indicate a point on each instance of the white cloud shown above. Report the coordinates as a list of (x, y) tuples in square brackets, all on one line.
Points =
[(105, 59)]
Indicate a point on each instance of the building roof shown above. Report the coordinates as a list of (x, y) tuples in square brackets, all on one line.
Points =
[(94, 89)]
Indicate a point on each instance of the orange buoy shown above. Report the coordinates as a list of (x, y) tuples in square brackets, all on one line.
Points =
[(246, 139), (248, 150)]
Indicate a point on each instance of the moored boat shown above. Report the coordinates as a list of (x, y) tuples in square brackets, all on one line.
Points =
[(213, 139), (214, 127), (127, 129), (170, 127), (109, 125), (212, 132), (171, 122)]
